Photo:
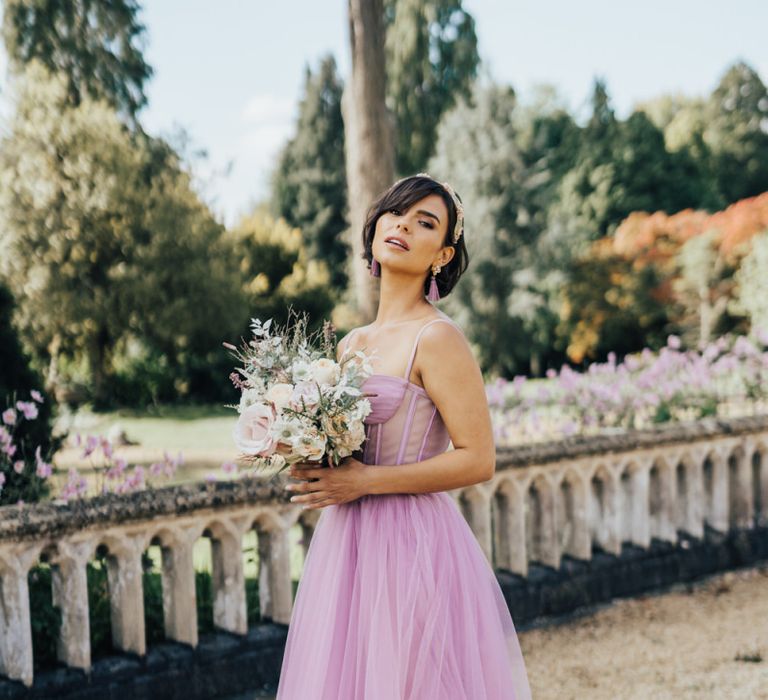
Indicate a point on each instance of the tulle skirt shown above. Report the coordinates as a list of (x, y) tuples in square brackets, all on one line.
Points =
[(398, 602)]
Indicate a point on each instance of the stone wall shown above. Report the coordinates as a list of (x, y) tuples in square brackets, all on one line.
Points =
[(571, 500)]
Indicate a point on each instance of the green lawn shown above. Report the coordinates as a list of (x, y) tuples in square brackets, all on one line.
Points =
[(206, 427)]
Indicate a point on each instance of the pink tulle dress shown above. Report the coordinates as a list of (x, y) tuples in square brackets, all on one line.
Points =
[(397, 601)]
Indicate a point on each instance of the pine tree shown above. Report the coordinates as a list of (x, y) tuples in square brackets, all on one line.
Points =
[(309, 188), (432, 60)]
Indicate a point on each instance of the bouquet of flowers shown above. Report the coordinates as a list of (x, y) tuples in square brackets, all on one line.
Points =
[(298, 404)]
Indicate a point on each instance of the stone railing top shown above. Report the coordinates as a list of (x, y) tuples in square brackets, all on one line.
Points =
[(627, 441), (52, 518)]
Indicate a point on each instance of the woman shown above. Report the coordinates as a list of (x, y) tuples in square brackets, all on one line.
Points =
[(397, 600)]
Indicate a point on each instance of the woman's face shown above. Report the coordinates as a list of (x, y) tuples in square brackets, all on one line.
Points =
[(421, 229)]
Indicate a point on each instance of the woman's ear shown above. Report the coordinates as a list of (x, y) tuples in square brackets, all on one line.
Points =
[(448, 253)]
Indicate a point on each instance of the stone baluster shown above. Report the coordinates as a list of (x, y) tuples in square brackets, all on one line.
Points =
[(607, 511), (639, 516), (476, 506), (579, 542), (126, 594), (760, 484), (510, 528), (69, 584), (740, 501), (718, 496), (694, 477), (544, 535), (667, 495), (275, 588), (16, 659), (230, 611), (179, 595)]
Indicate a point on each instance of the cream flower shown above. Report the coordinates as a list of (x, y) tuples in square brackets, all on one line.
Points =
[(280, 394), (325, 371)]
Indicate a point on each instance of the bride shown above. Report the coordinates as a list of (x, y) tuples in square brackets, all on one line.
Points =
[(397, 600)]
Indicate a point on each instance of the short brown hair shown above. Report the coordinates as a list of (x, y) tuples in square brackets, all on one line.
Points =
[(402, 195)]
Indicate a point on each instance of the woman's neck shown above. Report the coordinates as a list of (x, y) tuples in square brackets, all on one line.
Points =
[(401, 299)]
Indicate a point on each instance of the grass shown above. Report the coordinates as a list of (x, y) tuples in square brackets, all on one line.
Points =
[(199, 427)]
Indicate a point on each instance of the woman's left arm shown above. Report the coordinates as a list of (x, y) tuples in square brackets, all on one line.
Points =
[(454, 382)]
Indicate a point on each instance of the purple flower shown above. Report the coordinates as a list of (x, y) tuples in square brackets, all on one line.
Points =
[(28, 409), (9, 416), (91, 444), (44, 470), (18, 466), (35, 394)]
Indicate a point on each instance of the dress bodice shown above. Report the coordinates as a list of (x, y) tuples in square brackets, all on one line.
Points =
[(404, 425)]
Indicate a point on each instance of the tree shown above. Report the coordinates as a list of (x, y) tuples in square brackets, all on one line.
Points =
[(309, 188), (97, 47), (623, 167), (499, 299), (277, 271), (752, 286), (105, 237), (432, 60), (368, 126), (737, 132)]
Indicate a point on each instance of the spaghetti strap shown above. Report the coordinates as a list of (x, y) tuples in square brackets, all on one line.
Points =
[(416, 342)]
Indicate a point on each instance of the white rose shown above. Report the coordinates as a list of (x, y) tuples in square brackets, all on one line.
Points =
[(280, 394), (252, 432), (325, 371)]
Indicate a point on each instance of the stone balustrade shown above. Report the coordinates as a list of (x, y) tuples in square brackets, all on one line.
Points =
[(544, 502)]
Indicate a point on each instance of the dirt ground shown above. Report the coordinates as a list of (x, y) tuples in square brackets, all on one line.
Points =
[(706, 640)]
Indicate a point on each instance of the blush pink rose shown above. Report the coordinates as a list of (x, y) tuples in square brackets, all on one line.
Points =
[(252, 431)]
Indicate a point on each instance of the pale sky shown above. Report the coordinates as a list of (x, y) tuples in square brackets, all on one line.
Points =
[(231, 71)]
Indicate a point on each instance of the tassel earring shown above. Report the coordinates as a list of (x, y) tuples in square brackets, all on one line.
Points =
[(434, 292), (375, 268)]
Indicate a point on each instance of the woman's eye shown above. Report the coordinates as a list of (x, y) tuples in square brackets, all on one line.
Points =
[(394, 211), (426, 223)]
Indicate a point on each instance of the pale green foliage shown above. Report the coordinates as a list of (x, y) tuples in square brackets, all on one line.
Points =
[(752, 285), (701, 286), (500, 296)]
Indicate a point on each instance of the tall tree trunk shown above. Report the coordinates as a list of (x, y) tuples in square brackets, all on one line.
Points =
[(369, 137)]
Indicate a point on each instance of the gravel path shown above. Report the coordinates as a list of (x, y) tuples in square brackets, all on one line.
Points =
[(706, 640)]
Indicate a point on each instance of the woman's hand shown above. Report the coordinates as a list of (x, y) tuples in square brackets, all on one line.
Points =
[(327, 486)]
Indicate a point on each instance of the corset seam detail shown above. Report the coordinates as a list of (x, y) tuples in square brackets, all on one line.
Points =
[(426, 433), (406, 429), (378, 442)]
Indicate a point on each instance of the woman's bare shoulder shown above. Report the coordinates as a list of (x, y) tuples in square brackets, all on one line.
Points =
[(344, 341)]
